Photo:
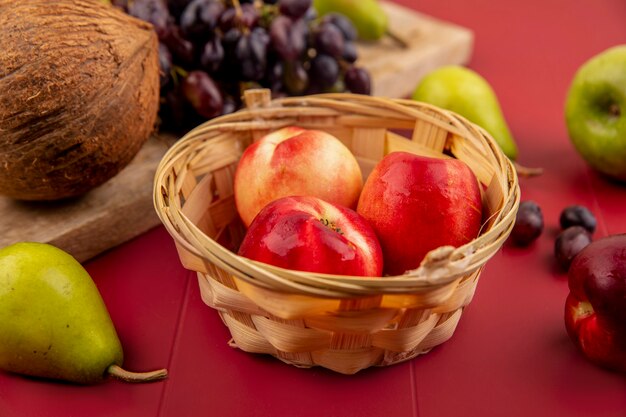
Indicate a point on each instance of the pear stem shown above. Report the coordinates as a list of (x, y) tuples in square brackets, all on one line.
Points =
[(523, 171), (127, 376), (397, 39)]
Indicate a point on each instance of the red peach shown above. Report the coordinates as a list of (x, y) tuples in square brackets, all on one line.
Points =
[(308, 234), (416, 204)]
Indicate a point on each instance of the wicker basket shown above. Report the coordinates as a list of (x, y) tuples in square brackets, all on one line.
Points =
[(338, 322)]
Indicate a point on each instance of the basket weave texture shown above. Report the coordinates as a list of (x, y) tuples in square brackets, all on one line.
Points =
[(341, 323)]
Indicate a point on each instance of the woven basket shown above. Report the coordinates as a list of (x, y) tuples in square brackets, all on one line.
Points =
[(341, 323)]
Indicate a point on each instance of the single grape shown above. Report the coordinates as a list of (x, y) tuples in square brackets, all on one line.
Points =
[(182, 49), (174, 112), (212, 55), (343, 24), (296, 78), (274, 76), (528, 223), (203, 94), (288, 38), (230, 105), (349, 53), (152, 11), (176, 7), (200, 18), (294, 8), (568, 243), (247, 17), (165, 65), (324, 71), (357, 80), (577, 215), (328, 39), (250, 52)]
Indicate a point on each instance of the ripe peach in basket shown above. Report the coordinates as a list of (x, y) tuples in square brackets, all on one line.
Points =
[(308, 234), (416, 204), (295, 161)]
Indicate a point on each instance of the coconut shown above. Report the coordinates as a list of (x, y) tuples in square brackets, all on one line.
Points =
[(79, 95)]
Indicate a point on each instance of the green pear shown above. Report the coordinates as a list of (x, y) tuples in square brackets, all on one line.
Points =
[(465, 92), (368, 18), (53, 321), (595, 112)]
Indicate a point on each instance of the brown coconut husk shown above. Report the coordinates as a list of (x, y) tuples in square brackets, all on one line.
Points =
[(79, 95)]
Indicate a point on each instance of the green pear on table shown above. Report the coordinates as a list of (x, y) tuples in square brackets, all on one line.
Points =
[(53, 321), (465, 92)]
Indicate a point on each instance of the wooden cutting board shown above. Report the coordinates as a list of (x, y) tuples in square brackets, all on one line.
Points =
[(122, 208)]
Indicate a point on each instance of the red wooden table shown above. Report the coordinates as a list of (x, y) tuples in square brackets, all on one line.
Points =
[(509, 355)]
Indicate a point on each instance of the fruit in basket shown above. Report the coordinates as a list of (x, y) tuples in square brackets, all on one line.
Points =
[(295, 161), (53, 321), (306, 233), (467, 93), (237, 45), (595, 309), (595, 112), (80, 95), (417, 204)]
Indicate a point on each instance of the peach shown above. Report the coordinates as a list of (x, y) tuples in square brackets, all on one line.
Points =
[(309, 234), (416, 204), (295, 161)]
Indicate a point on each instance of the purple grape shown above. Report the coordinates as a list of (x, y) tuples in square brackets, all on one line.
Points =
[(200, 18), (343, 24), (212, 55), (578, 216), (328, 39), (165, 65), (528, 223), (251, 52), (248, 18), (230, 105), (296, 78), (349, 53), (203, 94), (182, 49), (324, 71), (288, 37), (275, 74), (294, 8), (568, 243), (152, 11), (177, 7), (357, 80)]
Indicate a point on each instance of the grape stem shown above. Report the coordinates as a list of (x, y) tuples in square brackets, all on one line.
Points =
[(237, 7), (127, 376)]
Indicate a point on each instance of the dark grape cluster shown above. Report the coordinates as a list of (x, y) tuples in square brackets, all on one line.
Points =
[(212, 50)]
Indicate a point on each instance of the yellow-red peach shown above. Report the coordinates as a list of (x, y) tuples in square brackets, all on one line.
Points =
[(295, 161)]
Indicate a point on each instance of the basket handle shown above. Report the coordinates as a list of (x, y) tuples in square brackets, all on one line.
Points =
[(257, 98)]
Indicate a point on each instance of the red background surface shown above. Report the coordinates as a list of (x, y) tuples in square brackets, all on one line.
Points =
[(509, 355)]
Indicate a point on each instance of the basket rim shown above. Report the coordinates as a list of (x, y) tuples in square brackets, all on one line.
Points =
[(441, 267)]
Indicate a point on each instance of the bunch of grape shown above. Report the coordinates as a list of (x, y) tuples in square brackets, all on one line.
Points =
[(212, 50)]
